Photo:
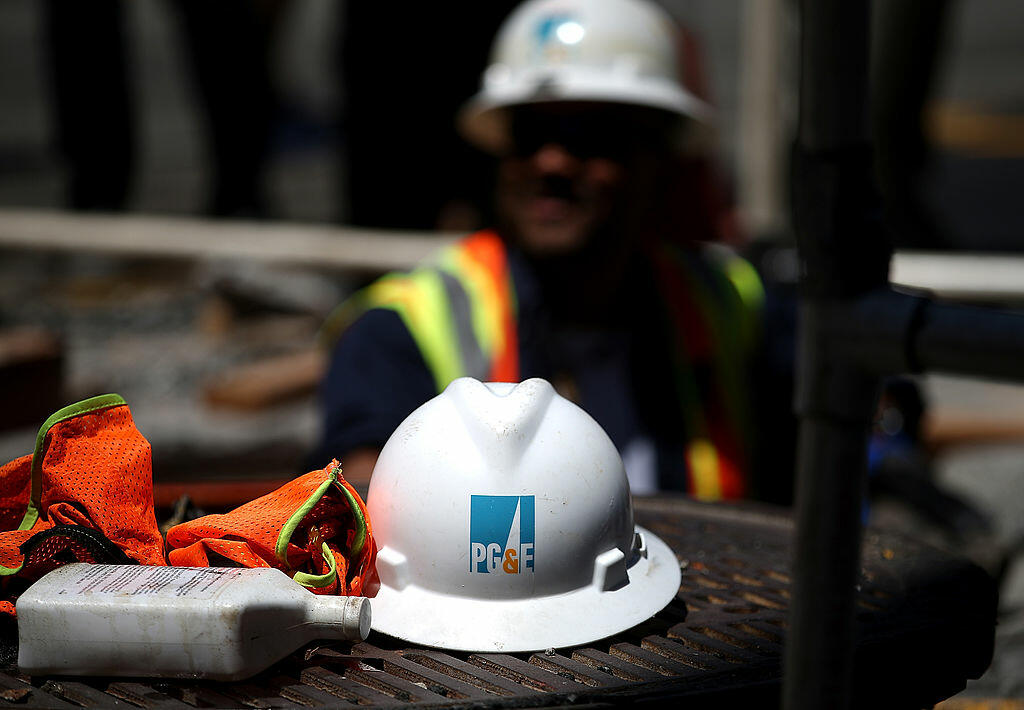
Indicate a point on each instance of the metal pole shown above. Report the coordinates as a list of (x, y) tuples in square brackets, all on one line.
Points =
[(836, 404), (853, 328), (843, 256)]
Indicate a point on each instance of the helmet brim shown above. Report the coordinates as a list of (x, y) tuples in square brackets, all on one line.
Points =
[(483, 120), (430, 618)]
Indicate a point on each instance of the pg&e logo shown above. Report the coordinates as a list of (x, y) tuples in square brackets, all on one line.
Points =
[(501, 534)]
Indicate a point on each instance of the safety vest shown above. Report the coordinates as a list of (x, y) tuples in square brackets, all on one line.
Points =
[(460, 308), (713, 300)]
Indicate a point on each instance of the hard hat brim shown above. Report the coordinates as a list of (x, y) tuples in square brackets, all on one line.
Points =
[(483, 120), (430, 618)]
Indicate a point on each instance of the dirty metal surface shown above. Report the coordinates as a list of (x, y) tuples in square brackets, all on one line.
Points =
[(925, 619)]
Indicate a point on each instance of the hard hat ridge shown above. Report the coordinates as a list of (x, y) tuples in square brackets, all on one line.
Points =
[(501, 418)]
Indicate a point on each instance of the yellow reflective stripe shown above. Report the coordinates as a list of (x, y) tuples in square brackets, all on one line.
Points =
[(344, 315), (745, 280), (706, 287), (703, 459), (420, 301), (483, 292), (748, 284), (429, 319)]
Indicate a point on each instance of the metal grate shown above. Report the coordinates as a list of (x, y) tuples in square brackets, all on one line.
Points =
[(926, 623)]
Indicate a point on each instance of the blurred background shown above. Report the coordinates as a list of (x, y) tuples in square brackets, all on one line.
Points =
[(187, 188), (178, 101)]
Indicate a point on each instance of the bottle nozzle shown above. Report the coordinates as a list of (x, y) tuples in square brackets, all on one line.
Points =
[(340, 618)]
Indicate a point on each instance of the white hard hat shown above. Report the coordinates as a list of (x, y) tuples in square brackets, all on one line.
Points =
[(618, 51), (504, 521)]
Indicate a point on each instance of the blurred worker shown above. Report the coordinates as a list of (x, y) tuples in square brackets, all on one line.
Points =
[(592, 276)]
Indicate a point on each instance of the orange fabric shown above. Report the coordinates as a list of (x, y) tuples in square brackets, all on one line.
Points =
[(10, 544), (15, 486), (364, 572), (198, 554), (95, 471), (248, 535)]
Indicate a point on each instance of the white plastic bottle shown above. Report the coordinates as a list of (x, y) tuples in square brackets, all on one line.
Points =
[(178, 622)]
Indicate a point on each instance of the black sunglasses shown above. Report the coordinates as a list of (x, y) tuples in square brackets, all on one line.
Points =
[(600, 133)]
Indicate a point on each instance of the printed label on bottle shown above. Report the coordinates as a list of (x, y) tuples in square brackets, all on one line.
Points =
[(165, 582)]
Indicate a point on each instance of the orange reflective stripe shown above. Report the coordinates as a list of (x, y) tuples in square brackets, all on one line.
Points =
[(731, 479), (486, 250)]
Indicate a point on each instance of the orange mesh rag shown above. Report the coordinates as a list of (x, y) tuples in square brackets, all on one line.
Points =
[(315, 528), (91, 468), (15, 488)]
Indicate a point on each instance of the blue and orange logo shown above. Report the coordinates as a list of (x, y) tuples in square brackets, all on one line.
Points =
[(501, 534), (555, 37)]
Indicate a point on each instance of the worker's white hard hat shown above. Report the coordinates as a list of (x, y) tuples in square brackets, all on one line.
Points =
[(618, 51), (504, 521)]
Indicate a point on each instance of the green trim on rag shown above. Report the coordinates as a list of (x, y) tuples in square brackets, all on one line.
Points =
[(281, 548), (86, 406), (319, 581), (5, 571), (357, 515)]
